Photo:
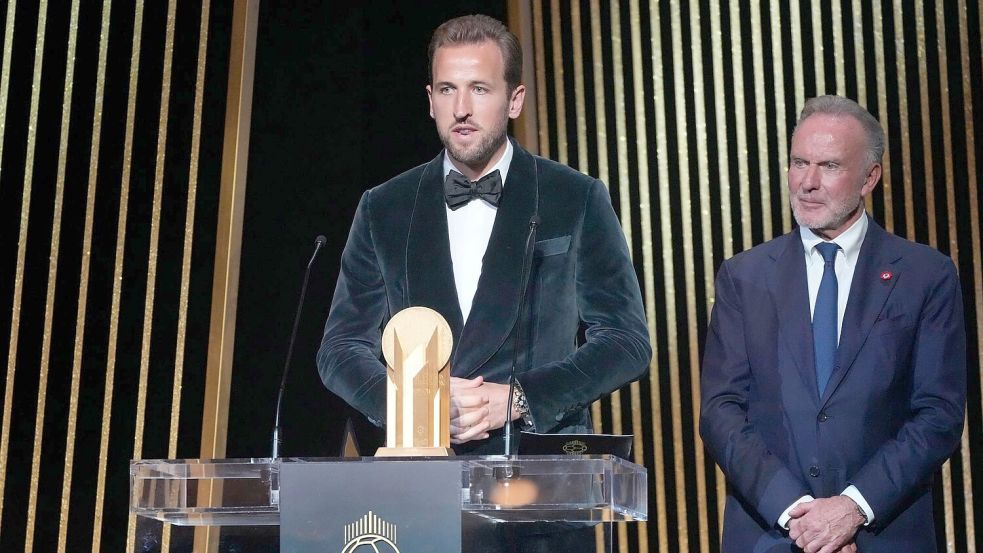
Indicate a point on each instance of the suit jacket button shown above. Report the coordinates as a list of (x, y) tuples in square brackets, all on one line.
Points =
[(814, 471), (823, 417)]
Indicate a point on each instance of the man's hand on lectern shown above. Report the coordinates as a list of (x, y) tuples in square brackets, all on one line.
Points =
[(476, 407)]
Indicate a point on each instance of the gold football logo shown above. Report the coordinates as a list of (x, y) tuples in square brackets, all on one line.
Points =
[(370, 534), (575, 447)]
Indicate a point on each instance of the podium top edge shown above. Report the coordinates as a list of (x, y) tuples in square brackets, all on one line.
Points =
[(480, 458)]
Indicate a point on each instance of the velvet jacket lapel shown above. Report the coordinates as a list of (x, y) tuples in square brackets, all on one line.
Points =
[(868, 293), (430, 270), (495, 306), (790, 292)]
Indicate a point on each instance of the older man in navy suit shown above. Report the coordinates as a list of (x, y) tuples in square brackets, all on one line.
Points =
[(834, 375)]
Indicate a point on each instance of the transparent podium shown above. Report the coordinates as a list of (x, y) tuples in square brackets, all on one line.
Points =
[(469, 504)]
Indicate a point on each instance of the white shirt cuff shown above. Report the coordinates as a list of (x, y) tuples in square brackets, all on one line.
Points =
[(853, 493), (783, 520)]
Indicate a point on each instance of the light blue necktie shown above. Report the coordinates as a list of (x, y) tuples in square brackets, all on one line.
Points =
[(824, 317)]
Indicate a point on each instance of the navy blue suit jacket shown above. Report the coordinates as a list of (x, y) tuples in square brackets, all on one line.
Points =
[(891, 414), (398, 256)]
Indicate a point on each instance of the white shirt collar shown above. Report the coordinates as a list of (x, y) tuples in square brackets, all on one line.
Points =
[(502, 165), (849, 241)]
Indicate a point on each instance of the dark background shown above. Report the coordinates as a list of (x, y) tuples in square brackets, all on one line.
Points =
[(339, 106)]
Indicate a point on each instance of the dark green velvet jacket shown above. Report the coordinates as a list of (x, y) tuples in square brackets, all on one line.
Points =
[(398, 256)]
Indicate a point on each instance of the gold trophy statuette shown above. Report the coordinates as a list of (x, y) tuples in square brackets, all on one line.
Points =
[(417, 346)]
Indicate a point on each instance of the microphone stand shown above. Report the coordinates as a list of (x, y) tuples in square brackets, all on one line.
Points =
[(524, 284), (318, 244)]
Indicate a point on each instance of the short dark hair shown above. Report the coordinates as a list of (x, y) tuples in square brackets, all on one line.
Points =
[(839, 106), (474, 29)]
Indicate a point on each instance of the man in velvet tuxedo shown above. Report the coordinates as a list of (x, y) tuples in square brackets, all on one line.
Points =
[(451, 234), (834, 374)]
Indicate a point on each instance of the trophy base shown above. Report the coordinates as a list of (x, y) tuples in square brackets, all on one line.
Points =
[(414, 452)]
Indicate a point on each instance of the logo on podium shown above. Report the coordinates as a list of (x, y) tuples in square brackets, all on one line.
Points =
[(370, 534), (575, 447)]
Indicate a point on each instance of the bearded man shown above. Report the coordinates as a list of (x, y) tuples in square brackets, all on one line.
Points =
[(450, 235), (834, 374)]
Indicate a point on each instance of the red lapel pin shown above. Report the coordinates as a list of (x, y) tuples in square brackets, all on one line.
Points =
[(886, 275)]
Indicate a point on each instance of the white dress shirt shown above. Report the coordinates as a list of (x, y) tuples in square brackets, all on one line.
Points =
[(846, 262), (469, 227)]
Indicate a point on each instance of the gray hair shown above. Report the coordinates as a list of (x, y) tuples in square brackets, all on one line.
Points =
[(838, 106)]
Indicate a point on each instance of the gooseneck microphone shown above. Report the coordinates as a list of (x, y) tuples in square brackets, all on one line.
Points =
[(517, 341), (319, 242)]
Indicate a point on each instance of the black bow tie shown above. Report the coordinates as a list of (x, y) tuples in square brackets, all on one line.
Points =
[(458, 190)]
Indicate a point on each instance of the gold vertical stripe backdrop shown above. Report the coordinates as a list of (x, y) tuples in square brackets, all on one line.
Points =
[(910, 40), (49, 303), (601, 121), (189, 229), (757, 54), (90, 200), (686, 205), (228, 246), (8, 41), (124, 200), (933, 240), (151, 280), (72, 495), (887, 191), (976, 240), (662, 478), (22, 248), (859, 61), (723, 181), (974, 219)]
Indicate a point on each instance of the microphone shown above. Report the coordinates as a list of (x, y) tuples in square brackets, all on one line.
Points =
[(319, 242), (523, 292)]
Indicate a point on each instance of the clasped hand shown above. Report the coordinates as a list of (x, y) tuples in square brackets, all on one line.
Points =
[(477, 407), (826, 525)]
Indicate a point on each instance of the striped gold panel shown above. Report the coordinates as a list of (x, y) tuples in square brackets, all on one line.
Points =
[(971, 104), (600, 118), (8, 48), (760, 116), (85, 269), (700, 96), (887, 183), (903, 114), (559, 94), (723, 179), (818, 30), (189, 227), (49, 304), (775, 16), (225, 279), (30, 139), (99, 174), (702, 227), (152, 256), (857, 9), (702, 133), (109, 393), (668, 442), (838, 55)]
